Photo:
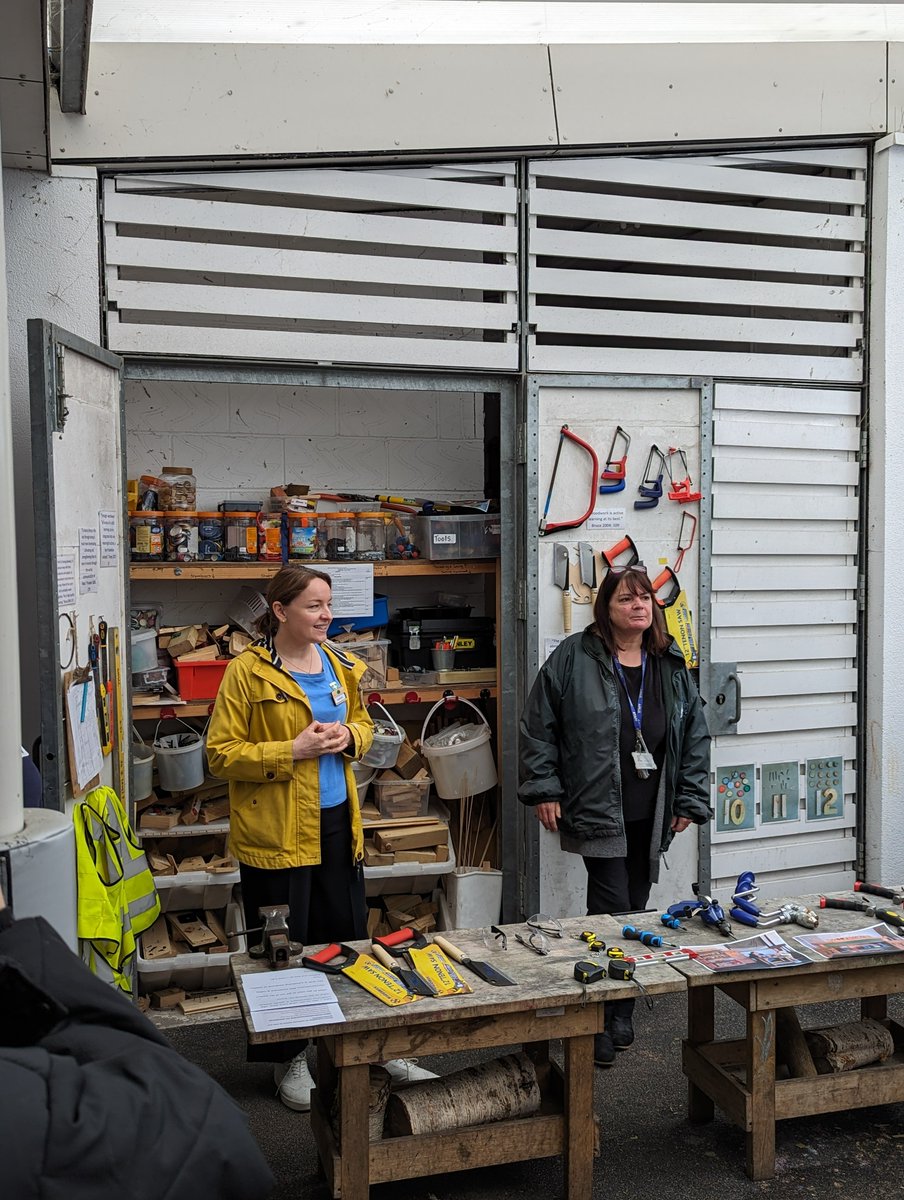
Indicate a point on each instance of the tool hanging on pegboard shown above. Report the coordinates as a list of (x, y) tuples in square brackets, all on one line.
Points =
[(666, 585), (681, 490), (547, 526), (625, 547), (651, 484), (612, 477)]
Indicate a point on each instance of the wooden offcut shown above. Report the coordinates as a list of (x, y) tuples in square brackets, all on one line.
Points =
[(493, 1091)]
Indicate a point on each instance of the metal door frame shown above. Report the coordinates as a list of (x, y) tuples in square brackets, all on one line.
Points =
[(530, 838), (48, 415), (375, 379)]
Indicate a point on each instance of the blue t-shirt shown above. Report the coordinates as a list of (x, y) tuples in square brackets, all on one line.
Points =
[(319, 690)]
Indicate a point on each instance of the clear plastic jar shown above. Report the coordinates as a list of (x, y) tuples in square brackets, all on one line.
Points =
[(401, 535), (302, 537), (146, 536), (211, 537), (181, 530), (179, 490), (337, 537), (371, 537), (269, 545), (241, 536)]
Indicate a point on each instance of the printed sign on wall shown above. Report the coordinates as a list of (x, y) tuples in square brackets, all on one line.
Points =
[(735, 798)]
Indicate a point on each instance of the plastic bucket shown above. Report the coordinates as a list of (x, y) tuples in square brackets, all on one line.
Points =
[(465, 769), (384, 752), (142, 770), (474, 897), (364, 777), (180, 767), (144, 650)]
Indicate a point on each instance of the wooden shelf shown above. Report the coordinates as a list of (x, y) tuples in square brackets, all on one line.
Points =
[(151, 712), (266, 570)]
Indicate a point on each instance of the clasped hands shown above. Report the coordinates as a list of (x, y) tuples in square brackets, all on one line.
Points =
[(320, 737)]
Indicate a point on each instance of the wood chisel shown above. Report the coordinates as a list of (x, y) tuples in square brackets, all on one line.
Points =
[(488, 973), (361, 969)]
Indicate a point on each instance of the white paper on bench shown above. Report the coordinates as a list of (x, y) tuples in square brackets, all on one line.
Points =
[(291, 999)]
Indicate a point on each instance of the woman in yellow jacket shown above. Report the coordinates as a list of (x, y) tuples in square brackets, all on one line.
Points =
[(286, 726)]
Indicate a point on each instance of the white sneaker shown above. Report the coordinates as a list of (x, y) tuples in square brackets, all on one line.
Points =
[(294, 1083), (406, 1070)]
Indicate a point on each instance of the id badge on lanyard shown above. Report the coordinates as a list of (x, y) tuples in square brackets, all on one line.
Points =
[(644, 763)]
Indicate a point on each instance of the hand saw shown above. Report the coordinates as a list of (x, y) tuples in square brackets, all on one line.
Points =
[(361, 969), (429, 961)]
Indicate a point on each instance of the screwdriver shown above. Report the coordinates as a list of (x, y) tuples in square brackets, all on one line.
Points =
[(654, 940), (891, 916)]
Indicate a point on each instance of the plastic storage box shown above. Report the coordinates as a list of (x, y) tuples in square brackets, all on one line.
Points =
[(195, 889), (375, 654), (200, 680), (379, 617), (194, 971), (402, 797), (476, 535)]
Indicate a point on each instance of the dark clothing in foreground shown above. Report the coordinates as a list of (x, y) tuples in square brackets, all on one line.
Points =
[(94, 1103)]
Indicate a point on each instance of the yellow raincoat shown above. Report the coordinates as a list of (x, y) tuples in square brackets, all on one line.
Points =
[(275, 801)]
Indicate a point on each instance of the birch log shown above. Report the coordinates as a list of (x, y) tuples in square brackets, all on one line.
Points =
[(493, 1091), (848, 1046)]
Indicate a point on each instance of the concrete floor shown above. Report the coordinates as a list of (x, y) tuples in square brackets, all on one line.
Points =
[(648, 1147)]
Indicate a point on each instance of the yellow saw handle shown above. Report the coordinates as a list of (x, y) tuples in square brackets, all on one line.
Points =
[(566, 610)]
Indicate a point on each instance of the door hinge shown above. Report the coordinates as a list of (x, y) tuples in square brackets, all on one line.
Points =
[(521, 444), (61, 395), (861, 593)]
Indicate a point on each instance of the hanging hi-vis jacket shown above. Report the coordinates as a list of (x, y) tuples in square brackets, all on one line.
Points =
[(117, 898)]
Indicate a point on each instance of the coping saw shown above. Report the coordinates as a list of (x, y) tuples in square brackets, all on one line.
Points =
[(651, 484), (547, 526)]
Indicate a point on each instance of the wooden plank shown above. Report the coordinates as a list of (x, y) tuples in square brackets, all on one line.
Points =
[(817, 472), (756, 577), (615, 361), (700, 1030), (282, 304), (762, 540), (827, 681), (313, 347), (266, 220), (714, 1082), (790, 435), (727, 615), (635, 248), (354, 1146), (354, 184), (811, 716), (846, 980), (790, 223), (263, 570), (685, 174), (761, 1091), (276, 263), (879, 1083), (579, 1121), (560, 281), (551, 318), (759, 398)]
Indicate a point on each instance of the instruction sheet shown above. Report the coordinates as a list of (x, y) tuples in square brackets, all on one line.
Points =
[(291, 999)]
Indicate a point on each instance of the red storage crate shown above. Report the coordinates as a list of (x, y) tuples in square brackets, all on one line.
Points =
[(200, 680)]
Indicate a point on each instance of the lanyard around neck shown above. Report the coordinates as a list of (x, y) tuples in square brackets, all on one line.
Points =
[(636, 713)]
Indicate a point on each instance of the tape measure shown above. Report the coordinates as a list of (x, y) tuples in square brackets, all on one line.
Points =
[(621, 970), (589, 972), (615, 952)]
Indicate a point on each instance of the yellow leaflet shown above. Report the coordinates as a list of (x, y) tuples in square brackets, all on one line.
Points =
[(381, 983), (433, 964), (681, 626)]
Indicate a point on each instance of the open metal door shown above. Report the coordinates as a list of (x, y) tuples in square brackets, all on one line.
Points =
[(80, 521)]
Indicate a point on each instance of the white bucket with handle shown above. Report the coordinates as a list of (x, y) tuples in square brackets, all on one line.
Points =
[(180, 767), (465, 767), (384, 752), (364, 777), (142, 767)]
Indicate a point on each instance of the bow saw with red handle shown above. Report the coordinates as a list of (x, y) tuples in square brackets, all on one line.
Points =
[(553, 526)]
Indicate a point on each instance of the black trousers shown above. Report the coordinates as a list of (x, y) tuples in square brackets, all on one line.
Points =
[(326, 902)]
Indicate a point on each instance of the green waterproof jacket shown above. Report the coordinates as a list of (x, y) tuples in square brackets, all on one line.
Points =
[(570, 736)]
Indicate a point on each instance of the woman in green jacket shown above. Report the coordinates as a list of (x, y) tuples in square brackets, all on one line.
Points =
[(614, 755), (287, 724)]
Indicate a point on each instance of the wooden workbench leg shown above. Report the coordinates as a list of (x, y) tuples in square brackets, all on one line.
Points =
[(701, 1029), (354, 1137), (327, 1074), (761, 1088), (579, 1139), (875, 1007)]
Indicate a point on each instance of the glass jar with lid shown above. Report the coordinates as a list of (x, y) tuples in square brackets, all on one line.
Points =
[(241, 536), (371, 537), (146, 536), (181, 530), (179, 490), (270, 537), (337, 536), (402, 535), (211, 537), (302, 537)]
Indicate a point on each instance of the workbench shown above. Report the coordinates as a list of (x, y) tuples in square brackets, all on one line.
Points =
[(548, 1003), (740, 1075)]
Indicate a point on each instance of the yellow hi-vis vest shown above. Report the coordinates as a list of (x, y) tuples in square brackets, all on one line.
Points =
[(117, 898)]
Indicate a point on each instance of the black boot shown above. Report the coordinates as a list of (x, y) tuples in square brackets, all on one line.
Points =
[(603, 1049), (619, 1023)]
